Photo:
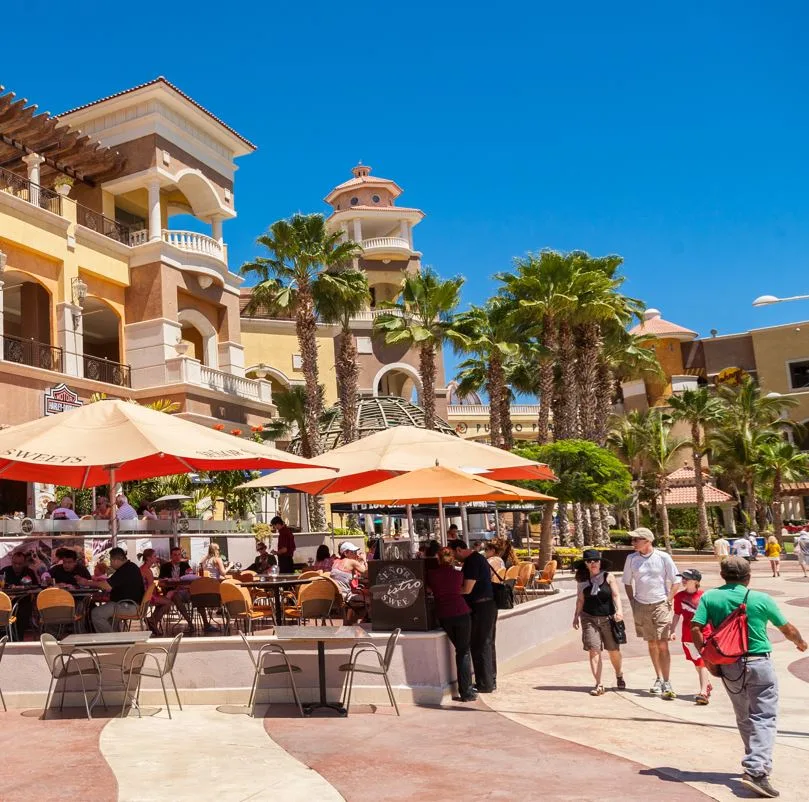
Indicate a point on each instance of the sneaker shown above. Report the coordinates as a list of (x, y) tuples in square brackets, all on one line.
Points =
[(668, 691), (213, 628), (657, 688), (620, 683), (761, 785)]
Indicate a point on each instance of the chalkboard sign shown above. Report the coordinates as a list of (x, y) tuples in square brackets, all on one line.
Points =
[(397, 550), (398, 595)]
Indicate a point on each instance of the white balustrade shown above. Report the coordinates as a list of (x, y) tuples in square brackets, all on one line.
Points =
[(229, 383), (483, 409), (370, 314), (138, 237), (381, 243), (193, 242)]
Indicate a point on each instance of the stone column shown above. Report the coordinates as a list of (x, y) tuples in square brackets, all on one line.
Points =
[(403, 231), (728, 521), (357, 230), (216, 228), (155, 221), (34, 160), (70, 338)]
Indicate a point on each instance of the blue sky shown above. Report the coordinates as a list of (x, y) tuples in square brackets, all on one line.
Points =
[(674, 136)]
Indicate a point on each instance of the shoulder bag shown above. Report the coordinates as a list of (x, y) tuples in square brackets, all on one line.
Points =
[(502, 591)]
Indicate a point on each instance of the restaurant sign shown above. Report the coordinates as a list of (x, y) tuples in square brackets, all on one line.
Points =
[(60, 398)]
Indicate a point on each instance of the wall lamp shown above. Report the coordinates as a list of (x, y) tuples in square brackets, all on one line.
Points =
[(79, 290)]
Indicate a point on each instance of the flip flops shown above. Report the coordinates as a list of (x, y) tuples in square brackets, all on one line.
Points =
[(597, 691)]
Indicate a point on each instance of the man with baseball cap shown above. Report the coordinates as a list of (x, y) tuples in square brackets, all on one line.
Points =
[(651, 579)]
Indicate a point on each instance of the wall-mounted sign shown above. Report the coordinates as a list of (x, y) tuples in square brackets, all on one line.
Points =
[(60, 398)]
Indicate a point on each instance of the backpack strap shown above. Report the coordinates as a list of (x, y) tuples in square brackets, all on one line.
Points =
[(501, 578)]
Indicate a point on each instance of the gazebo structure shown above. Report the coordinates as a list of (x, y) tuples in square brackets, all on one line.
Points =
[(682, 493), (374, 414)]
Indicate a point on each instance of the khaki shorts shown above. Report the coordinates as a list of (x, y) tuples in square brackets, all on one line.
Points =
[(596, 633), (652, 621)]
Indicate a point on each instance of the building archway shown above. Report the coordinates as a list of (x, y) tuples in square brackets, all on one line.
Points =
[(399, 379), (200, 332), (802, 440), (27, 326), (200, 193), (101, 335), (278, 380)]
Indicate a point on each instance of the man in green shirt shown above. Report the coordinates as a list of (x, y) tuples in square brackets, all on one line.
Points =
[(751, 682)]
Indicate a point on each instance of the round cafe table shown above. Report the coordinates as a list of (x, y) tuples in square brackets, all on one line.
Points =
[(276, 584)]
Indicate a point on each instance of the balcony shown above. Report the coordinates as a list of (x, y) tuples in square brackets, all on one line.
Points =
[(186, 370), (96, 221), (393, 246), (32, 353), (369, 315), (471, 410), (192, 242), (107, 371), (22, 188)]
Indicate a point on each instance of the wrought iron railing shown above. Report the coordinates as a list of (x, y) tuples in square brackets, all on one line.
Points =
[(32, 352), (107, 371), (95, 221), (21, 187)]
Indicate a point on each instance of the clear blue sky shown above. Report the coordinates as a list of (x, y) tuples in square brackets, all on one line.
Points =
[(673, 135)]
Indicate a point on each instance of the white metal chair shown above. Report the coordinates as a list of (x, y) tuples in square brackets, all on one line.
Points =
[(262, 669), (3, 642), (59, 664), (352, 667), (134, 664)]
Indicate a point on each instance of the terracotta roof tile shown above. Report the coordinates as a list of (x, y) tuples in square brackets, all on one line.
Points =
[(658, 327), (688, 496)]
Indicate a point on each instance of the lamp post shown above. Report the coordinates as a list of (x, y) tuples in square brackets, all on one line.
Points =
[(767, 300)]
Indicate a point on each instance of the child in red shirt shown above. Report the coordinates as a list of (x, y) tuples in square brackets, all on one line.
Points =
[(685, 605)]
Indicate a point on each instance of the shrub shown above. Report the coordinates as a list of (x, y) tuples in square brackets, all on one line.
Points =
[(620, 537), (566, 556)]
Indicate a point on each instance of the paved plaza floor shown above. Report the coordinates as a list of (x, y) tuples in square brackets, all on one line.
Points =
[(541, 736)]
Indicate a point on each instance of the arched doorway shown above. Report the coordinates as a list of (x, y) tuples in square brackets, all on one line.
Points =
[(27, 337), (399, 379), (199, 331), (101, 328)]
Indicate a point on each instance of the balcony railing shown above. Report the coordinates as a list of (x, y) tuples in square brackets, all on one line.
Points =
[(107, 371), (483, 409), (194, 243), (385, 243), (32, 352), (21, 187), (228, 383), (367, 315), (96, 221)]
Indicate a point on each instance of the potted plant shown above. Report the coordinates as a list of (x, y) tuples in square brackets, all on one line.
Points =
[(62, 185)]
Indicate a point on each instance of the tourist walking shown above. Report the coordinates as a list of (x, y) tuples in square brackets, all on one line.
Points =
[(454, 615), (773, 552), (751, 682), (721, 548), (651, 580), (742, 548), (598, 603), (802, 550), (685, 605)]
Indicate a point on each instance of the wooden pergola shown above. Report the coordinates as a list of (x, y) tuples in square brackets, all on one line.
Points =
[(24, 132)]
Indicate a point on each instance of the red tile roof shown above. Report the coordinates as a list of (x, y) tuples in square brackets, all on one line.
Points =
[(653, 325), (687, 496)]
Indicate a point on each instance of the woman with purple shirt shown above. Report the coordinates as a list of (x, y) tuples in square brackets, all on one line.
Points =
[(453, 614)]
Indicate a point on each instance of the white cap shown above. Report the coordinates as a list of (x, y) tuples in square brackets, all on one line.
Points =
[(348, 547)]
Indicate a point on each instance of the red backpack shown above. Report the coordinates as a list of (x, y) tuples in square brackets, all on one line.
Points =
[(728, 642)]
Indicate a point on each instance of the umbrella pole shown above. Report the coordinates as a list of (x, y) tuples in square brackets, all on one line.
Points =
[(496, 521), (464, 521), (114, 521), (414, 543), (442, 523)]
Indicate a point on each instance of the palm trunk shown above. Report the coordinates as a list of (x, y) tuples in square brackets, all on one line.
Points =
[(664, 515), (568, 408), (777, 506), (348, 372), (750, 499), (699, 484), (546, 534), (605, 393), (498, 396), (546, 381), (493, 388), (595, 525), (427, 372), (505, 420), (578, 525), (587, 529), (564, 524), (605, 524), (589, 345)]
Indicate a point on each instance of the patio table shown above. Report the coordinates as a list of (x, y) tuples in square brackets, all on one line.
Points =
[(320, 635), (277, 584)]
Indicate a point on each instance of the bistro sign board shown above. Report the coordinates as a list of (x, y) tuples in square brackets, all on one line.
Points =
[(60, 398)]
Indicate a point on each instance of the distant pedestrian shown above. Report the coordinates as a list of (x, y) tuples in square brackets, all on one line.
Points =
[(597, 603), (802, 550), (742, 548), (751, 681), (685, 605), (721, 548), (651, 580), (773, 552), (753, 538)]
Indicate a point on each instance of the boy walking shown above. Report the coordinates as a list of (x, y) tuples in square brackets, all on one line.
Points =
[(685, 605)]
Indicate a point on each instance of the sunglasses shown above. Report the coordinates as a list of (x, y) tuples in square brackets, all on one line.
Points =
[(593, 561)]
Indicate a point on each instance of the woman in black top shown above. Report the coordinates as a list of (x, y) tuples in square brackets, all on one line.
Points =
[(598, 600)]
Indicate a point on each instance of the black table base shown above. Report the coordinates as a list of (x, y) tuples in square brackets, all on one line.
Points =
[(321, 671)]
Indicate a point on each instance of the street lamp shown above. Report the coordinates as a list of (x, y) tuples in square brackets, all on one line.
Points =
[(766, 300)]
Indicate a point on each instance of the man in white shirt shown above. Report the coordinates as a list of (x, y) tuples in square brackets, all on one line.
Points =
[(802, 550), (64, 512), (651, 579), (751, 536), (125, 511), (721, 548), (742, 548)]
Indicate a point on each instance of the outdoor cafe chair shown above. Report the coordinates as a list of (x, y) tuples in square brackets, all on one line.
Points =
[(125, 615), (310, 575), (315, 600), (545, 579), (57, 608), (135, 664), (261, 668), (205, 595), (239, 607), (63, 664), (8, 615), (3, 642), (525, 574), (353, 667)]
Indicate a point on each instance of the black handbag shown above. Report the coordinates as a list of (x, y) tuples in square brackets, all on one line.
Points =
[(618, 630), (502, 591)]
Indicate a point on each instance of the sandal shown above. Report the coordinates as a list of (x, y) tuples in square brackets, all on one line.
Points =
[(702, 699), (620, 683), (597, 691)]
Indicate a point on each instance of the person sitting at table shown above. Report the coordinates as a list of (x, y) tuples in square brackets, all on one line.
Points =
[(35, 562), (125, 511), (264, 560), (323, 559), (162, 603), (212, 563), (64, 512), (125, 587), (103, 510), (346, 569), (49, 508), (101, 570), (18, 573), (66, 572), (177, 568), (146, 512), (286, 545)]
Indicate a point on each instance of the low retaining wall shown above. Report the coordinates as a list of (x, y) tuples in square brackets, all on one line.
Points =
[(216, 670)]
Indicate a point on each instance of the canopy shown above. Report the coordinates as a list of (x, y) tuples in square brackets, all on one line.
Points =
[(81, 447), (399, 450), (437, 484)]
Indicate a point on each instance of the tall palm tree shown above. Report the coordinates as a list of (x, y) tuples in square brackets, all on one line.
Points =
[(489, 337), (422, 316), (342, 296), (300, 252), (627, 439), (779, 461), (700, 409)]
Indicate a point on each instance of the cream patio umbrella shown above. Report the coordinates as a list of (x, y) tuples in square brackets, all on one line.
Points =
[(438, 484), (399, 450), (112, 441)]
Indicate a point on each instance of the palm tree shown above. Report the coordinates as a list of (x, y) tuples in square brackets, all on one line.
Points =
[(422, 316), (487, 335), (627, 438), (344, 294), (779, 461), (701, 410), (301, 251), (290, 404)]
